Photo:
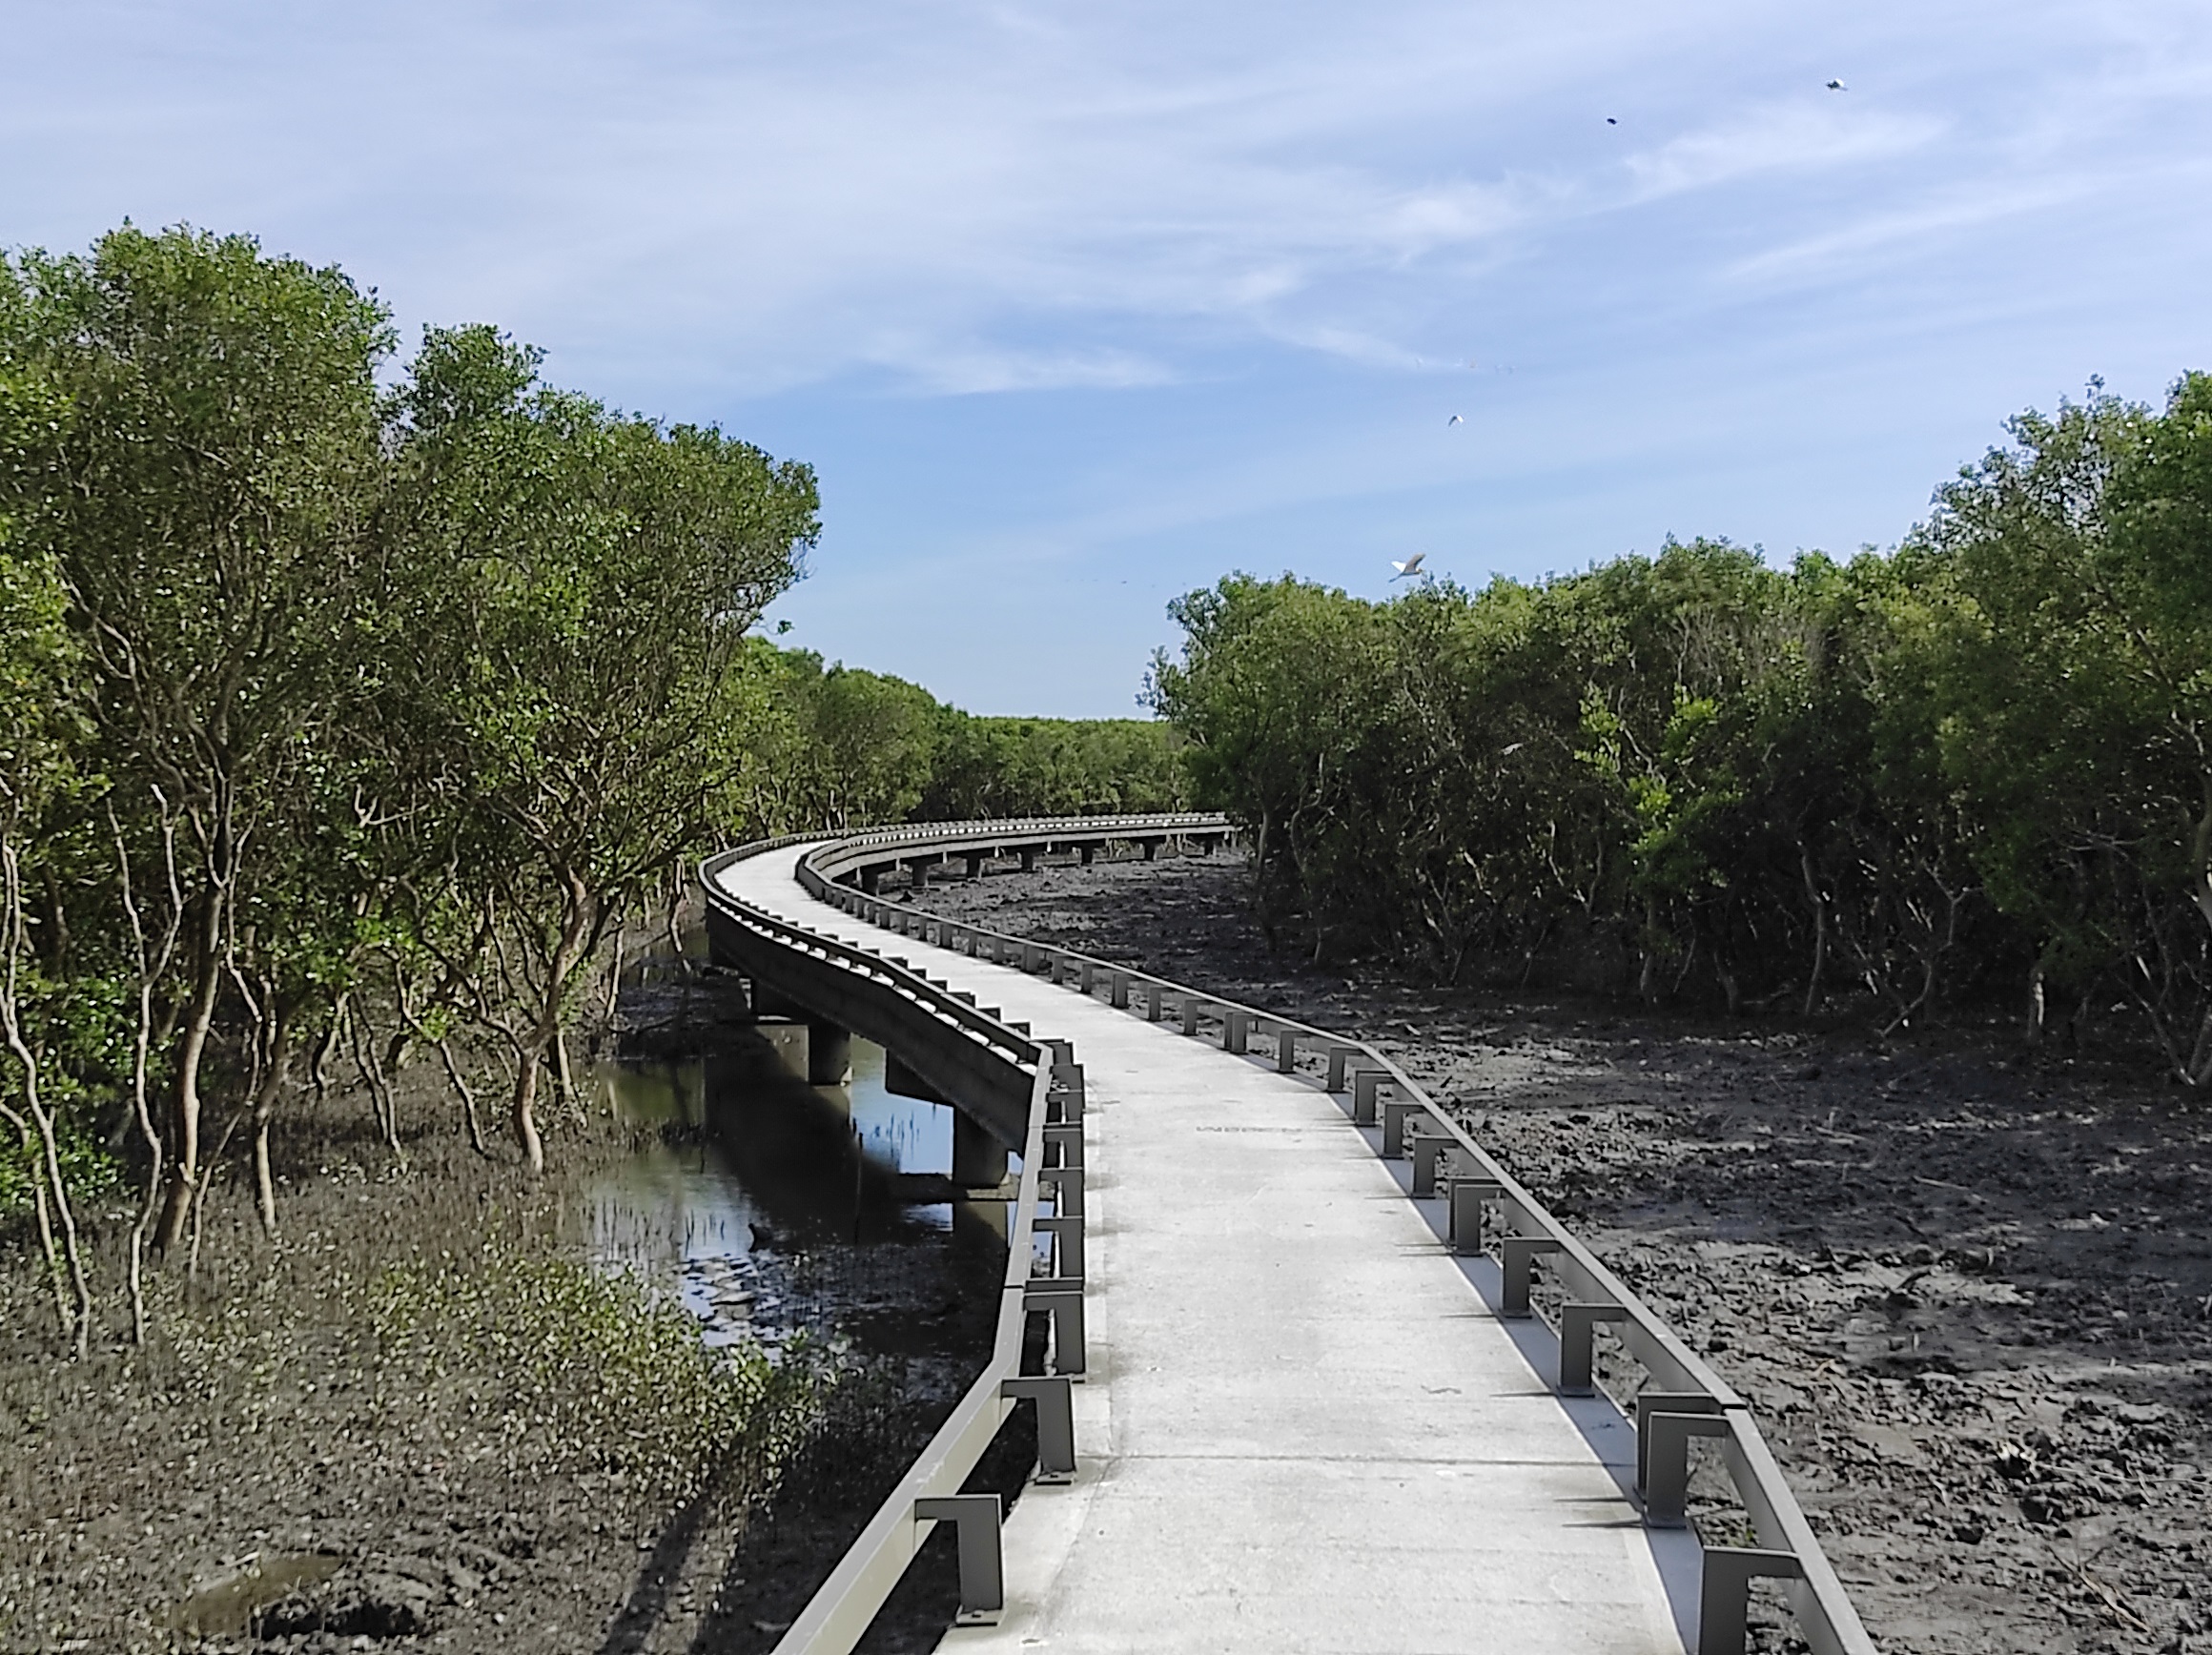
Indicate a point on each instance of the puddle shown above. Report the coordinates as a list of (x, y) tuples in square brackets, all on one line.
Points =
[(229, 1604)]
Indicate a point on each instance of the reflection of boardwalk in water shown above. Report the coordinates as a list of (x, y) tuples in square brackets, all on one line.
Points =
[(767, 1173), (1304, 1429)]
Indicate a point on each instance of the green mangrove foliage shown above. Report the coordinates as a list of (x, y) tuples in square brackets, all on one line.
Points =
[(1975, 768), (350, 707), (840, 747), (343, 708), (599, 1373)]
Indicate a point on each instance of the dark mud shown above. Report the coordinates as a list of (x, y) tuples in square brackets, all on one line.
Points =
[(247, 1481), (1969, 1290)]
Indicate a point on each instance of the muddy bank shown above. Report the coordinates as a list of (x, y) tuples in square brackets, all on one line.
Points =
[(1971, 1294), (344, 1434)]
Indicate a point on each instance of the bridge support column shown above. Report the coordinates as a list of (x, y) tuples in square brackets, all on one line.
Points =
[(976, 860), (978, 1159), (1088, 852), (828, 1053), (1028, 858), (869, 877), (1151, 851)]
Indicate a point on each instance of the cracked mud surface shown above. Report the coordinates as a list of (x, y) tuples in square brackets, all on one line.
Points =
[(1968, 1292)]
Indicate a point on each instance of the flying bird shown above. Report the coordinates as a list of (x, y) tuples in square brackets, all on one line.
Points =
[(1411, 566), (1837, 86), (1453, 421), (1610, 122)]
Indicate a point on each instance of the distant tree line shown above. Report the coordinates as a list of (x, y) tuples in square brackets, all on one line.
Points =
[(351, 710), (839, 747), (1974, 771)]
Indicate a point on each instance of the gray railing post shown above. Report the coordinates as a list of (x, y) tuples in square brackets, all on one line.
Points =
[(1155, 1002), (1064, 1146), (1578, 1325), (1396, 1113), (1467, 1195), (1517, 1254), (1067, 1233), (1651, 1402), (1663, 1446), (1063, 1299), (1055, 1413), (1087, 976), (1724, 1595), (1430, 1151), (1118, 991), (1338, 1057), (1236, 1025), (1190, 1013), (1366, 1084), (982, 1569), (1067, 1184), (1285, 1049)]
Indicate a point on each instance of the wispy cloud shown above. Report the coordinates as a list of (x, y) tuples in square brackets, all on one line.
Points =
[(1900, 233), (1797, 136)]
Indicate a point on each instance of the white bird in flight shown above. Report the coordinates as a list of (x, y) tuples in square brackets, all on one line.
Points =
[(1453, 421), (1411, 566), (1837, 86)]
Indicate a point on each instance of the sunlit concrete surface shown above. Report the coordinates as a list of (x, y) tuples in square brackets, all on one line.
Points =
[(1302, 1428)]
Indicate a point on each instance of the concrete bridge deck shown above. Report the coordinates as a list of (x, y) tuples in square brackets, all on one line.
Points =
[(1303, 1426)]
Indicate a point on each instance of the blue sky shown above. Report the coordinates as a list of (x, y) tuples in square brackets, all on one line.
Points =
[(1077, 307)]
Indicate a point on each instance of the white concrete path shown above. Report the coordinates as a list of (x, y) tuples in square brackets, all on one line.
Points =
[(1302, 1428)]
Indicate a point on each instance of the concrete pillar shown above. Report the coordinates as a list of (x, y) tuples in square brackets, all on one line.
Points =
[(1151, 851), (790, 1042), (1088, 852), (869, 876), (978, 1159), (976, 860), (1028, 858), (829, 1055)]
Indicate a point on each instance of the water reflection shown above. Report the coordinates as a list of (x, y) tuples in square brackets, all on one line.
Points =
[(757, 1173)]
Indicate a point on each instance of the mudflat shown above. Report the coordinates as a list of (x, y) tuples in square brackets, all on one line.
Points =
[(281, 1467), (1968, 1287)]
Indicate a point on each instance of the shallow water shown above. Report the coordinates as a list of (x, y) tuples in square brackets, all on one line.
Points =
[(780, 1205)]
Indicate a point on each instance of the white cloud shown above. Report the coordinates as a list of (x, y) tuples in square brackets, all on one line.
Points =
[(1801, 136)]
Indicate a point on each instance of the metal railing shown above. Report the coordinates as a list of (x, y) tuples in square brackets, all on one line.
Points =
[(842, 1607), (1682, 1399)]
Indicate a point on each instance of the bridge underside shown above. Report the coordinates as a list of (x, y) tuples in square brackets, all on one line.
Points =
[(942, 1059)]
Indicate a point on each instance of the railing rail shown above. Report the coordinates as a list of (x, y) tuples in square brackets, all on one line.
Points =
[(1684, 1398)]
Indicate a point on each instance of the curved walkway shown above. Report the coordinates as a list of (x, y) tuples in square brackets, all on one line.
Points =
[(1303, 1427)]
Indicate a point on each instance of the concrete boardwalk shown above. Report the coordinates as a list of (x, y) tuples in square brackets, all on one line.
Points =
[(1302, 1428)]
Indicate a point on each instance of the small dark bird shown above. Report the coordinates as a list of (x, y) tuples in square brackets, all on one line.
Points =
[(1610, 122), (1837, 86)]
